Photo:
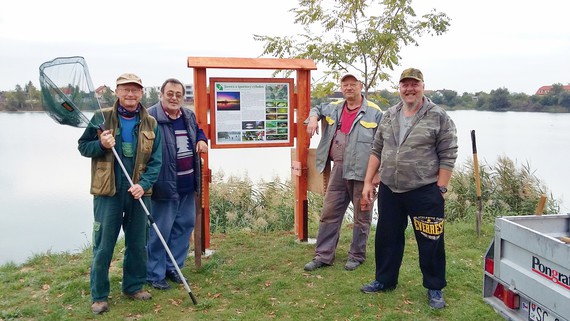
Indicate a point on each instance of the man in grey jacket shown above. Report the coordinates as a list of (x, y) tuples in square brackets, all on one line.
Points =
[(415, 149), (348, 133)]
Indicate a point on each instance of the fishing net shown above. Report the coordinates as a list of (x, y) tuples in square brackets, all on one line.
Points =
[(67, 91)]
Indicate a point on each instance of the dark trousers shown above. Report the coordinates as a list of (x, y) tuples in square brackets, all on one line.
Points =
[(425, 208)]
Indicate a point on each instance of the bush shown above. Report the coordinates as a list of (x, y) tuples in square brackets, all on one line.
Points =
[(505, 190), (238, 204)]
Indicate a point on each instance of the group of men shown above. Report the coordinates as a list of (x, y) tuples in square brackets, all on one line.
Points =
[(149, 156), (403, 156), (408, 154)]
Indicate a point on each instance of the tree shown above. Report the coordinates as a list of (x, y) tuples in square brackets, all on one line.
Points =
[(436, 97), (150, 98), (17, 100), (107, 97), (32, 94), (564, 100), (499, 99), (449, 97), (346, 39), (467, 100), (557, 89)]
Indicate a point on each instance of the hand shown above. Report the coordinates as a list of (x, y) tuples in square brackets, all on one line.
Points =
[(376, 180), (137, 191), (313, 126), (368, 192), (202, 147), (107, 139)]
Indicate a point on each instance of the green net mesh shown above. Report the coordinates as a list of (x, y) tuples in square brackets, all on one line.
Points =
[(67, 91)]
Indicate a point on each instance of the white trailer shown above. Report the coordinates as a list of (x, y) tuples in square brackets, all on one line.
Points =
[(527, 268)]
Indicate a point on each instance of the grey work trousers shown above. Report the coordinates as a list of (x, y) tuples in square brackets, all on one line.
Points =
[(339, 194)]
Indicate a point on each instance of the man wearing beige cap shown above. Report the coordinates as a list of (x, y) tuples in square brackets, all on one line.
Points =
[(134, 134), (347, 135), (415, 149)]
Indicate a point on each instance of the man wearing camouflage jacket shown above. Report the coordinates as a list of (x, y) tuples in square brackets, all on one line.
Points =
[(415, 149)]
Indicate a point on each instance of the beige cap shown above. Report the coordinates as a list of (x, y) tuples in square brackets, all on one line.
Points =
[(348, 75), (128, 78)]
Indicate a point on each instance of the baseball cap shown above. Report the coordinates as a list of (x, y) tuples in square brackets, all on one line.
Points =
[(412, 73), (349, 75), (129, 78)]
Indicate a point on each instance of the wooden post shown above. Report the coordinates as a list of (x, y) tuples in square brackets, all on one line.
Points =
[(302, 151), (201, 107), (540, 206)]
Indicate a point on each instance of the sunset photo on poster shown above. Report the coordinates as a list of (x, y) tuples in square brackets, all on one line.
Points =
[(228, 100)]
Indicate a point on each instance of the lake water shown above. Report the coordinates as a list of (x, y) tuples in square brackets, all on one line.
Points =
[(45, 203)]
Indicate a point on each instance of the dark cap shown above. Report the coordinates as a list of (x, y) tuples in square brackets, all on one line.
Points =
[(129, 79), (412, 73)]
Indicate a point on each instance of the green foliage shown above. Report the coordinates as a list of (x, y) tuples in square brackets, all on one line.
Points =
[(564, 100), (108, 97), (150, 98), (238, 204), (505, 190), (348, 36)]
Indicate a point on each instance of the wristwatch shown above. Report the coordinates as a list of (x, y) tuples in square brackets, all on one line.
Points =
[(442, 189)]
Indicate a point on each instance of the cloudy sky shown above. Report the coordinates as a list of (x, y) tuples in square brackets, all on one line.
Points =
[(490, 44)]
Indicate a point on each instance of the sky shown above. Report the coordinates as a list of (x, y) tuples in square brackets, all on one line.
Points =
[(489, 45)]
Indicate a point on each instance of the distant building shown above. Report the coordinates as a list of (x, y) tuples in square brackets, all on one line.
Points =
[(101, 90), (188, 91), (546, 89)]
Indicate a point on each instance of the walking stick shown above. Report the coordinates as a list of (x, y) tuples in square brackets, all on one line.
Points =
[(477, 184)]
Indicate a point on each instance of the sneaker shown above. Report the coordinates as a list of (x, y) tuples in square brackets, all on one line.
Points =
[(314, 264), (140, 295), (351, 264), (173, 276), (161, 285), (376, 286), (99, 307), (436, 300)]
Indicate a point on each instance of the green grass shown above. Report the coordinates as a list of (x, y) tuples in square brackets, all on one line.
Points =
[(256, 276)]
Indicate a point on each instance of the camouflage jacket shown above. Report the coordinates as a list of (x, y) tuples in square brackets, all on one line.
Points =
[(429, 144), (360, 137)]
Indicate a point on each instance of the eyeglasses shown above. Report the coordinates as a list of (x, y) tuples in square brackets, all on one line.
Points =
[(171, 94), (134, 91), (350, 85)]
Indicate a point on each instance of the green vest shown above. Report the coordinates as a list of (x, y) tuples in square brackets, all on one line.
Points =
[(103, 168)]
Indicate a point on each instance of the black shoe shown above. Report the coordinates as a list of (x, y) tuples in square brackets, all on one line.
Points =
[(173, 276), (161, 285), (376, 286)]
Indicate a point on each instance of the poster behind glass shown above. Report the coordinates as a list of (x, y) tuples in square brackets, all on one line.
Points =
[(251, 112)]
